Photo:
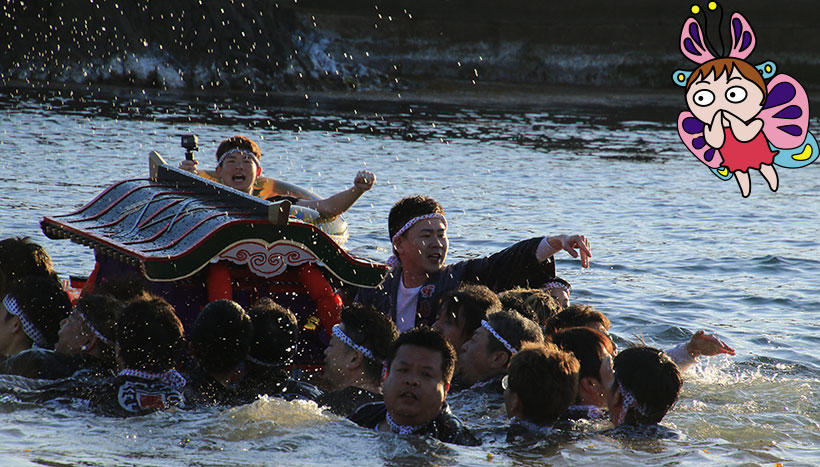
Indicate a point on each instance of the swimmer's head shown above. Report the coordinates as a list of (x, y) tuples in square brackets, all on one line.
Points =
[(275, 334), (541, 384), (149, 336), (419, 368), (358, 347), (238, 163), (488, 352), (460, 312), (418, 232), (221, 336), (645, 385)]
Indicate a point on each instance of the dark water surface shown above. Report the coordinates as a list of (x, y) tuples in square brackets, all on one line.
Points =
[(675, 250)]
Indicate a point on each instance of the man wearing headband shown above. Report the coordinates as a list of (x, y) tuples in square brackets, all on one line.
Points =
[(30, 314), (560, 290), (642, 386), (238, 166), (354, 359), (419, 368), (85, 342), (418, 232), (149, 342), (484, 358), (220, 339), (20, 257)]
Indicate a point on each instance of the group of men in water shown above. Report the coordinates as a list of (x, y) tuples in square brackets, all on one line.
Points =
[(501, 325)]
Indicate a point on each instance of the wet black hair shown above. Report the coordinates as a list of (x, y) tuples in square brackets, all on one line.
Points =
[(221, 336), (426, 338), (535, 304), (44, 304), (275, 333), (373, 330), (585, 343), (652, 378), (469, 304), (124, 288), (20, 257), (514, 328), (545, 379), (150, 336), (576, 315)]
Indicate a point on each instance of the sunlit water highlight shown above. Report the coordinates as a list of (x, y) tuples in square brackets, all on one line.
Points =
[(675, 250)]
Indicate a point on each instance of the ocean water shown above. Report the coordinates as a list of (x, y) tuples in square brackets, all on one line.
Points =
[(675, 250)]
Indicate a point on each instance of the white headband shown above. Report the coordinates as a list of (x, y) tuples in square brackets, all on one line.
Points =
[(241, 152), (400, 429), (28, 327), (337, 331), (503, 341), (413, 221), (171, 377), (256, 361), (629, 401), (99, 335), (556, 285)]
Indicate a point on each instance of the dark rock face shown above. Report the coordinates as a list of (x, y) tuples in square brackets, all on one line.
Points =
[(261, 46)]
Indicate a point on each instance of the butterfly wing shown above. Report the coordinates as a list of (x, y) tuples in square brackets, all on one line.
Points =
[(801, 156), (690, 130), (785, 113)]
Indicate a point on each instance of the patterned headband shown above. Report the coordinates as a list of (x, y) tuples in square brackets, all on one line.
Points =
[(413, 221), (337, 331), (629, 401), (97, 333), (495, 334), (241, 152), (556, 285), (171, 377), (31, 331)]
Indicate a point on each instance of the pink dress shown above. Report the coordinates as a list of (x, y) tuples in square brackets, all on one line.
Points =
[(745, 156)]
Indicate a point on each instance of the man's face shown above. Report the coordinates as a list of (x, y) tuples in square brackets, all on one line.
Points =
[(449, 327), (337, 354), (414, 389), (614, 401), (72, 335), (560, 295), (474, 359), (238, 170), (423, 247)]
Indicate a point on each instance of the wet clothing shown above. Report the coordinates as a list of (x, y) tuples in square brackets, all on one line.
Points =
[(491, 385), (202, 389), (586, 412), (526, 431), (345, 401), (47, 364), (274, 382), (515, 266), (445, 427), (131, 395)]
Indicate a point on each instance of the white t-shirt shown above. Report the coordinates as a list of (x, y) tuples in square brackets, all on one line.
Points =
[(406, 304)]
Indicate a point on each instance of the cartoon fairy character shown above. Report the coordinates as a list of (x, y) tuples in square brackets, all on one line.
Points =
[(737, 122)]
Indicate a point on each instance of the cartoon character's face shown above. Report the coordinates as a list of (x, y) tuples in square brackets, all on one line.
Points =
[(730, 92)]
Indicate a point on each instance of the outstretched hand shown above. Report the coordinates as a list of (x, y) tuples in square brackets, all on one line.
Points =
[(364, 180), (571, 243), (188, 165), (707, 345)]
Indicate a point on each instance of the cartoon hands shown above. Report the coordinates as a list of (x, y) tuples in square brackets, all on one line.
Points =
[(707, 345), (364, 181)]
